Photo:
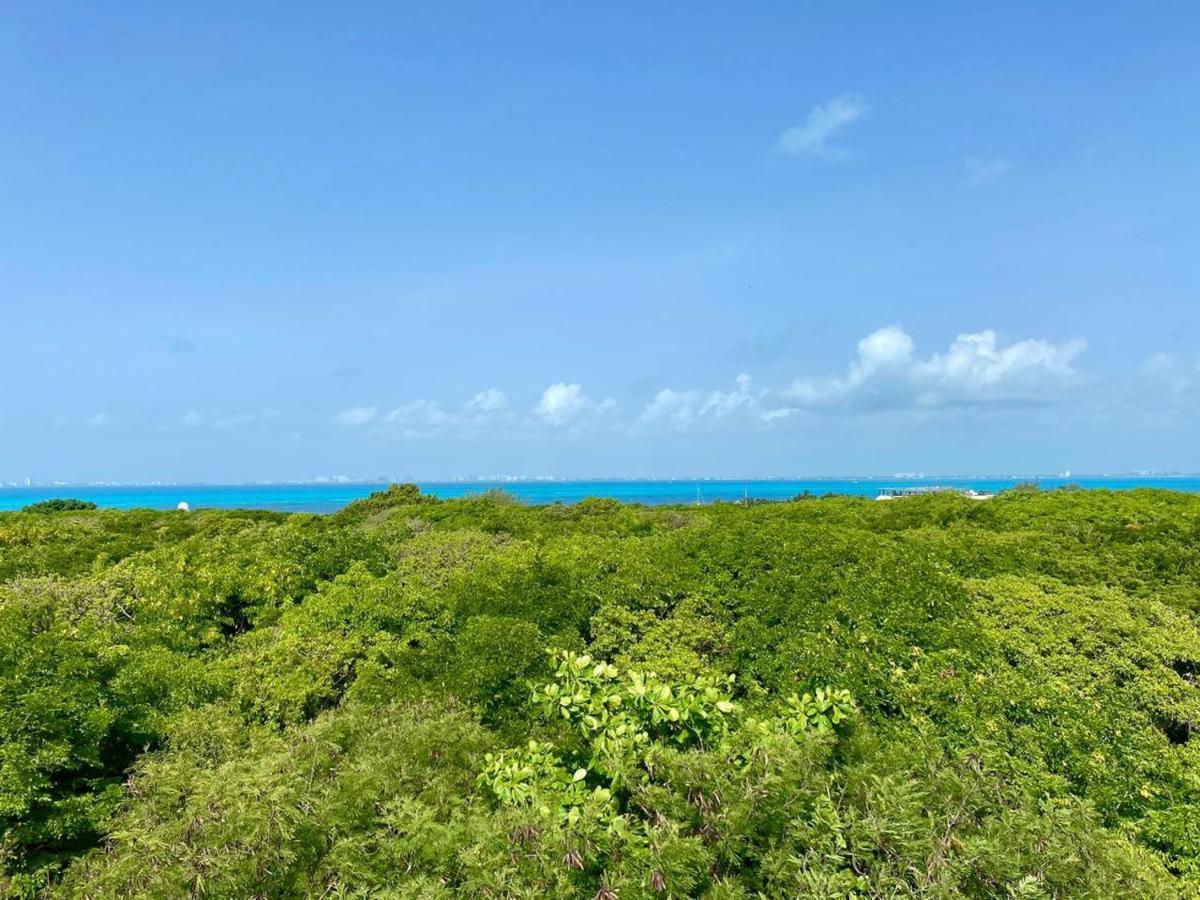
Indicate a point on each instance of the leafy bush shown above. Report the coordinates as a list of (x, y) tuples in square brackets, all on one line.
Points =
[(255, 704), (59, 504)]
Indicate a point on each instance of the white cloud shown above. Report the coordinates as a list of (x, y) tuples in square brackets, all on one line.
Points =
[(982, 171), (886, 373), (683, 409), (566, 404), (824, 123), (418, 412), (418, 419), (882, 353), (777, 414), (99, 420), (975, 369), (560, 403), (487, 402), (191, 419), (883, 349), (425, 418), (680, 408), (356, 415)]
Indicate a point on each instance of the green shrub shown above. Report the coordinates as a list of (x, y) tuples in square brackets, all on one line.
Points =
[(235, 704), (59, 504)]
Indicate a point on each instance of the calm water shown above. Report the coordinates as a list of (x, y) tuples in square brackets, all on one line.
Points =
[(330, 497)]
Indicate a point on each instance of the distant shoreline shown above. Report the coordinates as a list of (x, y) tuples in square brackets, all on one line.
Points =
[(602, 479)]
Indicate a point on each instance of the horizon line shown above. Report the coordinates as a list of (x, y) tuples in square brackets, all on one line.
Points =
[(337, 481)]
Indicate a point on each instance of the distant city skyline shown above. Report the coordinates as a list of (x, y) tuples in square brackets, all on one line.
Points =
[(261, 243), (534, 479)]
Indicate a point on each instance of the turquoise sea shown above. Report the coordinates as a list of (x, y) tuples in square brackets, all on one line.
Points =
[(324, 498)]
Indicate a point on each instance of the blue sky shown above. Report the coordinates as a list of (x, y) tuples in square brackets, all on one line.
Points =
[(279, 240)]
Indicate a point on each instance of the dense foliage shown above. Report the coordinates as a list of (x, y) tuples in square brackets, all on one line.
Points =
[(59, 504), (932, 697)]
